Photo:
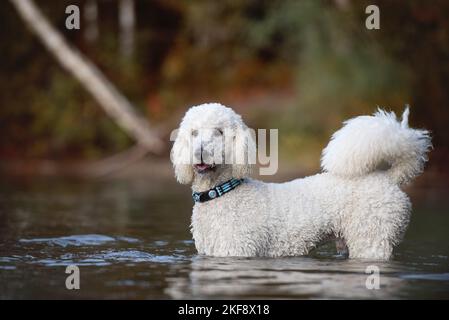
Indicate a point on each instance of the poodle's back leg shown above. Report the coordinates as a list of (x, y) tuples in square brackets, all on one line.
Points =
[(373, 235), (376, 222)]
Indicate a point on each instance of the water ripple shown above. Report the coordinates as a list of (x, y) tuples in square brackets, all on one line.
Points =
[(79, 240)]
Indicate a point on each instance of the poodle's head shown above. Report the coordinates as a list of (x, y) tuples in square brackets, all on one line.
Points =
[(212, 143)]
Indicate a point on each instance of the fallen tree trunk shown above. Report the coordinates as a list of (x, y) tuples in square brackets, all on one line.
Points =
[(90, 77)]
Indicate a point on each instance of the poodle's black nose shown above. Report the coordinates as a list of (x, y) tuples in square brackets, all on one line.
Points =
[(203, 156)]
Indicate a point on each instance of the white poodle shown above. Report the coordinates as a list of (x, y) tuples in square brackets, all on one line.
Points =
[(357, 199)]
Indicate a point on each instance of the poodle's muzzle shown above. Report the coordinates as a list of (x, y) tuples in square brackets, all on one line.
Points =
[(208, 146)]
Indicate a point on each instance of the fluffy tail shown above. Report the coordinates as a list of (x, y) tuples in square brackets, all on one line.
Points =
[(369, 143)]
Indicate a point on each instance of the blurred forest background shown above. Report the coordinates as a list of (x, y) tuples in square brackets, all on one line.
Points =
[(300, 66)]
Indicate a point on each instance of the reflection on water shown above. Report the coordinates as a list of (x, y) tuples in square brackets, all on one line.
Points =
[(130, 239)]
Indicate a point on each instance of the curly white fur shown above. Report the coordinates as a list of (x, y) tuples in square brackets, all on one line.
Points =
[(356, 199), (367, 142)]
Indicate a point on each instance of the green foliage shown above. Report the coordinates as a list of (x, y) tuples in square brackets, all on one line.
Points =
[(314, 62), (339, 69)]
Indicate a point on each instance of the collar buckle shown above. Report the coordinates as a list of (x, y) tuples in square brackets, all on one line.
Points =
[(216, 192)]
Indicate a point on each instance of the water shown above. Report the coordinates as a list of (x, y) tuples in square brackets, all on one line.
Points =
[(130, 239)]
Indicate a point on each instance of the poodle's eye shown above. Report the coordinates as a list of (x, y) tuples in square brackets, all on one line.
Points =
[(218, 132), (194, 133)]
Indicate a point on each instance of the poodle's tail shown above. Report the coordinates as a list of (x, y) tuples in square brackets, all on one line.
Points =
[(369, 143)]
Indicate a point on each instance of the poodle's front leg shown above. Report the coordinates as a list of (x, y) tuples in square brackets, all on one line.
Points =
[(231, 251), (230, 246)]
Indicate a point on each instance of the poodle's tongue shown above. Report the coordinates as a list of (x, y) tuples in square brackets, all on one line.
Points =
[(202, 166)]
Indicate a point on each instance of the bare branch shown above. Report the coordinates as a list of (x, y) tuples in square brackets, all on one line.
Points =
[(92, 79)]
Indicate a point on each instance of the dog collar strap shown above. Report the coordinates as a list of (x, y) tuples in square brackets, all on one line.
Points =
[(216, 192)]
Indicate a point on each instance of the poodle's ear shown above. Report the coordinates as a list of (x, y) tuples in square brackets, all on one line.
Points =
[(181, 158), (244, 151)]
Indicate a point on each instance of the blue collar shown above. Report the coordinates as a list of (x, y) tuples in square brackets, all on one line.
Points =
[(216, 192)]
